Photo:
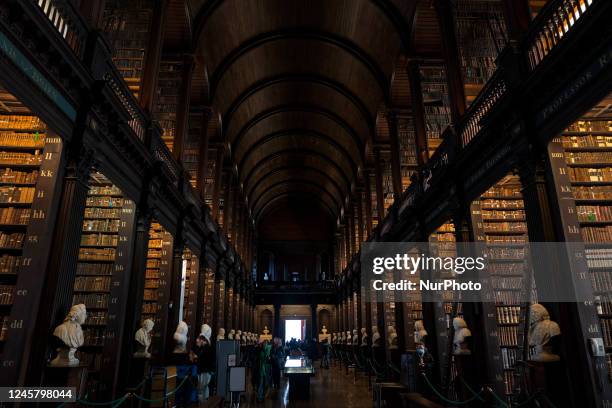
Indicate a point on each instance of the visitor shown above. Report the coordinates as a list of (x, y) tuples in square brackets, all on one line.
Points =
[(278, 362), (261, 369), (204, 358), (325, 350)]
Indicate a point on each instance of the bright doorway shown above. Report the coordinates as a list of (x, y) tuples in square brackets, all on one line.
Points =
[(294, 329)]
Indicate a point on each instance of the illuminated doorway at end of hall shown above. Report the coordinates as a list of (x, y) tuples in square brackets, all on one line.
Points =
[(294, 329)]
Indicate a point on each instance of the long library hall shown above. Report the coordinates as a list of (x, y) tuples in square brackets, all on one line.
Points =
[(306, 203)]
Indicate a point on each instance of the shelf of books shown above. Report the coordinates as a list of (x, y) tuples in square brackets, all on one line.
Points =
[(436, 104), (209, 177), (219, 306), (190, 297), (372, 198), (157, 281), (481, 34), (387, 179), (209, 293), (191, 149), (408, 155), (30, 156), (126, 26), (102, 273), (582, 159), (498, 222), (229, 308), (168, 86)]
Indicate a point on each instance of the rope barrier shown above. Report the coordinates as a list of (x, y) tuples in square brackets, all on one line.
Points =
[(470, 388), (446, 400), (168, 394)]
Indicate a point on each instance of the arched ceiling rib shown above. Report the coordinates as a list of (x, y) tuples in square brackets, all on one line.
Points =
[(298, 86)]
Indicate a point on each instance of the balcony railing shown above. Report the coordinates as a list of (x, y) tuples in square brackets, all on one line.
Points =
[(299, 286), (171, 167), (66, 21), (552, 24), (117, 84)]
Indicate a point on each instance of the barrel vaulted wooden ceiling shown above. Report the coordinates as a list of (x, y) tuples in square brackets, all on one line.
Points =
[(299, 86)]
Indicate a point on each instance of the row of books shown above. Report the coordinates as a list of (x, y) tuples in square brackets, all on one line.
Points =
[(152, 282), (96, 318), (598, 257), (510, 357), (91, 300), (508, 335), (505, 253), (507, 297), (102, 225), (12, 194), (85, 269), (107, 213), (592, 192), (6, 294), (4, 326), (93, 283), (18, 122), (13, 215), (9, 264), (506, 240), (99, 240), (21, 158), (8, 175), (501, 283), (604, 304), (19, 139), (93, 337), (504, 269), (153, 263), (586, 158), (103, 190), (97, 254), (14, 240), (601, 281), (508, 314), (503, 192), (591, 126), (503, 214), (606, 326), (150, 308), (101, 201), (580, 174), (152, 274), (590, 213), (495, 204), (150, 295), (596, 234), (505, 227), (588, 141)]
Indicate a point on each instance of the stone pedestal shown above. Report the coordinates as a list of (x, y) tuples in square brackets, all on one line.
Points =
[(67, 377), (139, 368), (546, 377), (465, 366)]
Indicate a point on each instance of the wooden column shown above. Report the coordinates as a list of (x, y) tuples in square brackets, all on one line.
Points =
[(227, 202), (182, 109), (450, 49), (380, 194), (216, 196), (150, 73), (351, 226), (360, 231), (396, 169), (418, 112), (175, 294), (203, 153)]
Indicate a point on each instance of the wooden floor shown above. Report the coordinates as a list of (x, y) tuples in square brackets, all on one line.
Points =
[(329, 388)]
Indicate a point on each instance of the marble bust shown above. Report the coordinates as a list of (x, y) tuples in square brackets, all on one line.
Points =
[(375, 337), (355, 337), (143, 339), (392, 340), (180, 338), (231, 334), (206, 331), (221, 334), (349, 340), (541, 331), (266, 335), (420, 334), (324, 330), (364, 337), (238, 335), (71, 334), (462, 334), (334, 338), (266, 331)]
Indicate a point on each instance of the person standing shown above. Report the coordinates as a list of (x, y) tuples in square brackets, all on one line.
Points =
[(278, 362), (262, 368), (205, 359)]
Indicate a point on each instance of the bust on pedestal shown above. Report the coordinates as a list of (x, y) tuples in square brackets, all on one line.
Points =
[(143, 339), (461, 338), (231, 334), (266, 335), (221, 334), (71, 334), (324, 335), (392, 338), (420, 334), (375, 337), (355, 337), (180, 338), (349, 339), (541, 331), (364, 337)]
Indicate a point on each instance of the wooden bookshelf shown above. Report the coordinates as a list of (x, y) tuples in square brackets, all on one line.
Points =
[(436, 104), (102, 274), (582, 164), (168, 86), (209, 293), (157, 282), (498, 220), (481, 35), (408, 154), (30, 156)]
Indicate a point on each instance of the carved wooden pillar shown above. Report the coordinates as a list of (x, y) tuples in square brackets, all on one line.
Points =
[(396, 170), (216, 196), (418, 112), (450, 49), (360, 231), (203, 153), (368, 201), (227, 203)]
